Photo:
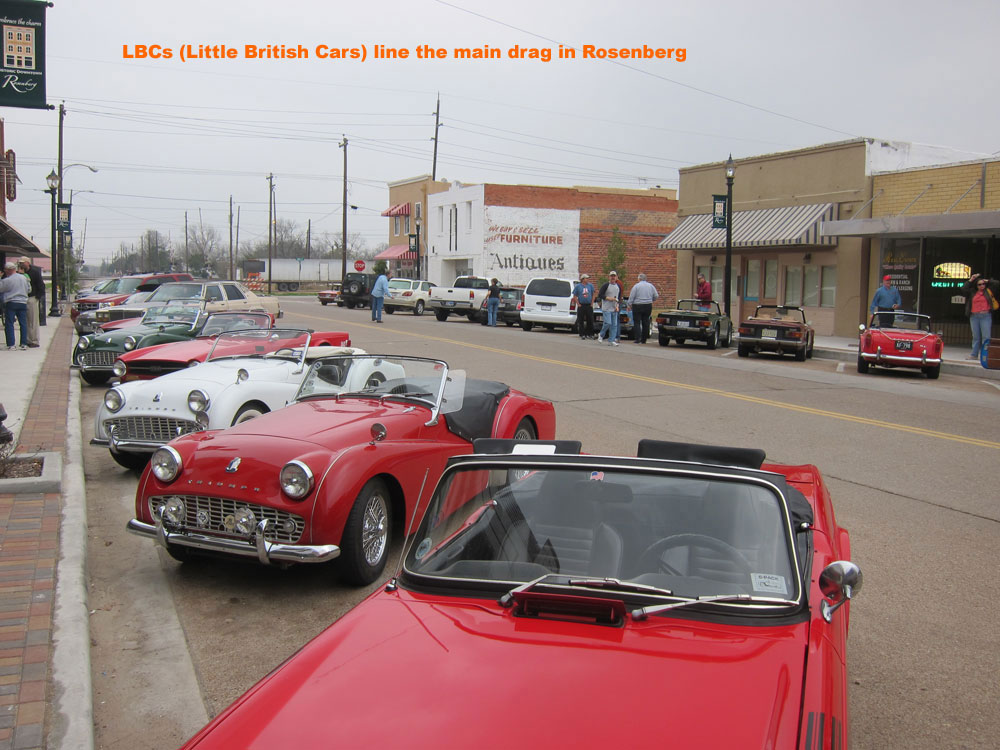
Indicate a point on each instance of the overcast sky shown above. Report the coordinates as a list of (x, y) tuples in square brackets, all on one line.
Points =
[(170, 136)]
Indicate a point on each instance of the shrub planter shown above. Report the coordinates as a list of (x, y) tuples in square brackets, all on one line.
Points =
[(50, 480)]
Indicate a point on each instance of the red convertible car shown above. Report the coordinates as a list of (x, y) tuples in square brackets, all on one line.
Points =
[(338, 473), (900, 339), (690, 597), (153, 361), (777, 328)]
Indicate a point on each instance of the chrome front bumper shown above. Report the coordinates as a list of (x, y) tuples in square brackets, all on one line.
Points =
[(266, 552), (895, 359)]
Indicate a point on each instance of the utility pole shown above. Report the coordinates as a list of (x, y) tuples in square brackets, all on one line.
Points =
[(308, 232), (231, 237), (343, 262), (437, 123), (186, 269), (270, 228), (237, 229)]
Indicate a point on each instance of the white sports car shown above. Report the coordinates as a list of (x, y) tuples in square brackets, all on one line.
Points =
[(247, 373)]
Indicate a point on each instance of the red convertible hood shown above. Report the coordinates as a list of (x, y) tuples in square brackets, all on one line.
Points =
[(402, 672), (180, 351)]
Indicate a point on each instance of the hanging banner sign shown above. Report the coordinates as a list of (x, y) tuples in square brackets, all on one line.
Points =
[(63, 211), (718, 212), (22, 66)]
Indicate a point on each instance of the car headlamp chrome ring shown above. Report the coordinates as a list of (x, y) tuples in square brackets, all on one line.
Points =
[(84, 342), (173, 512), (296, 479), (130, 343), (114, 400), (165, 464), (198, 400), (245, 522), (119, 369)]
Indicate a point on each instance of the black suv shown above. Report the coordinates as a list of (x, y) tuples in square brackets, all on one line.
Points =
[(356, 290)]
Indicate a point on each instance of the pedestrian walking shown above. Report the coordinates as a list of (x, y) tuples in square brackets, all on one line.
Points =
[(981, 300), (378, 292), (886, 299), (703, 293), (640, 302), (493, 303), (15, 289), (610, 298), (583, 293), (36, 300)]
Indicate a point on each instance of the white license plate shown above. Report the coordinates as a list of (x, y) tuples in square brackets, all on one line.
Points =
[(769, 333), (904, 346), (546, 305), (683, 323)]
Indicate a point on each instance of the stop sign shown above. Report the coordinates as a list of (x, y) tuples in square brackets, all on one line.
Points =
[(359, 265)]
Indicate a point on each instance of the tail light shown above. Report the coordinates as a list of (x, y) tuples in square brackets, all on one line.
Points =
[(572, 305), (520, 305), (483, 306), (795, 334), (745, 330), (472, 294), (704, 323), (868, 340)]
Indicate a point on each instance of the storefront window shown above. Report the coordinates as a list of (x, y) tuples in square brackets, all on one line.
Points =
[(751, 291), (828, 290), (810, 287), (771, 279), (793, 285)]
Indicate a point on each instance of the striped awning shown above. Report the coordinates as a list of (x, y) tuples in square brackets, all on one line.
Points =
[(397, 252), (764, 227), (400, 209)]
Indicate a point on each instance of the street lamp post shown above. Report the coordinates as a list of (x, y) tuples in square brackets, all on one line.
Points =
[(53, 182), (418, 276), (730, 173)]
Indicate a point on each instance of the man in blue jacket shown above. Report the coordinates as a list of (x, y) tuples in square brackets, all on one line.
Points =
[(886, 299), (378, 293)]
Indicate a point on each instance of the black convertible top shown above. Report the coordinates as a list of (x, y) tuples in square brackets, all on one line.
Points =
[(479, 408)]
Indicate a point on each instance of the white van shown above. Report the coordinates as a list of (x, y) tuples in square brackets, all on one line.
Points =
[(548, 302)]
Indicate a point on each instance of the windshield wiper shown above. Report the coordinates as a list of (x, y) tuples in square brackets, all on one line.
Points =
[(594, 583), (643, 612)]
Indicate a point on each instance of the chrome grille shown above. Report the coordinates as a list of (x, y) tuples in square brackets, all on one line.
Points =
[(217, 509), (154, 368), (82, 305), (149, 429), (98, 359)]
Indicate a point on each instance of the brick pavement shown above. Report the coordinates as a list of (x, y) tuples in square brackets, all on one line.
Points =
[(29, 550)]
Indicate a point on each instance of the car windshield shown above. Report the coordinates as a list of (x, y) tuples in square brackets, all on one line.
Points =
[(221, 322), (167, 292), (278, 343), (172, 315), (127, 285), (511, 294), (693, 305), (783, 314), (901, 321), (379, 376), (684, 534)]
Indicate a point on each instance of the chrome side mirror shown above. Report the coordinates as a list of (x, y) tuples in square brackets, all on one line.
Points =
[(861, 328), (841, 579), (378, 433)]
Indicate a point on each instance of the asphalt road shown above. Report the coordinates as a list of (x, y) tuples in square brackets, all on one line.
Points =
[(908, 462)]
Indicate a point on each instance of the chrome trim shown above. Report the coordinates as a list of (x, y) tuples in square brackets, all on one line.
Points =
[(258, 547), (896, 359)]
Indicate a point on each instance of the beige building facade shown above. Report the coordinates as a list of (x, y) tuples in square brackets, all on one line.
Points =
[(407, 251)]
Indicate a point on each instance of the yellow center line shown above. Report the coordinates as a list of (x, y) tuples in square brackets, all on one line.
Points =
[(718, 392)]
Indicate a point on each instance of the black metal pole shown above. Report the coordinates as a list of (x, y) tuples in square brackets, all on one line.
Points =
[(54, 310), (729, 240)]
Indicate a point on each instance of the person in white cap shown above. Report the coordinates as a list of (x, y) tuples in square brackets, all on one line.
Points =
[(583, 295)]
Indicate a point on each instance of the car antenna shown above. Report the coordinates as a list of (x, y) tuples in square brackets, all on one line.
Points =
[(391, 585)]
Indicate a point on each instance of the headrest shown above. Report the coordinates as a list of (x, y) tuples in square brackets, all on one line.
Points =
[(748, 458)]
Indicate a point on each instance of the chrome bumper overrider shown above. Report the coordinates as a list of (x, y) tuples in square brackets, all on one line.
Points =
[(257, 546)]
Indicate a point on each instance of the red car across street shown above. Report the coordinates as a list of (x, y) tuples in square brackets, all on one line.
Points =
[(900, 339)]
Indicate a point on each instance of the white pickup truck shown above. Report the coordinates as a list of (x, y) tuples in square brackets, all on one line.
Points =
[(465, 297)]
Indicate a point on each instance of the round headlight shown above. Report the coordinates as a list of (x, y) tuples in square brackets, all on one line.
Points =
[(114, 400), (246, 522), (165, 464), (84, 342), (130, 343), (173, 511), (119, 368), (296, 480), (198, 400)]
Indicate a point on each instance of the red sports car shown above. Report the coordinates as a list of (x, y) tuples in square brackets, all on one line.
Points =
[(900, 339), (152, 361), (777, 328), (689, 597), (337, 474)]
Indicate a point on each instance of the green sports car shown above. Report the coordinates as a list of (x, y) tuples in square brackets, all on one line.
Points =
[(95, 355), (690, 320)]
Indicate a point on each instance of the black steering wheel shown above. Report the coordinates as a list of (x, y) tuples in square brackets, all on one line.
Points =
[(654, 552)]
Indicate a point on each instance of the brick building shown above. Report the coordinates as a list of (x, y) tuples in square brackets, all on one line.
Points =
[(517, 232)]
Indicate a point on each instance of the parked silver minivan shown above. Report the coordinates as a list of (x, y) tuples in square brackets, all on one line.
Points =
[(548, 302)]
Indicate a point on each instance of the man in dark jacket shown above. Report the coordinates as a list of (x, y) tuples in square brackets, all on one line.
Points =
[(36, 300)]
